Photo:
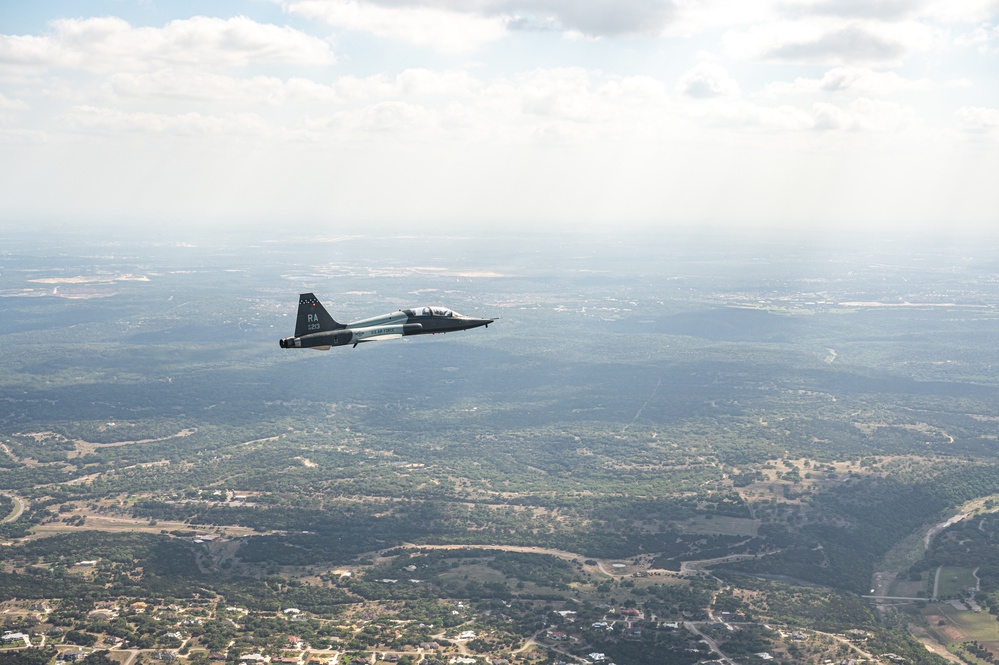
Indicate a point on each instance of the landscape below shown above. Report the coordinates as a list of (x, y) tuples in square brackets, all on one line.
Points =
[(667, 450)]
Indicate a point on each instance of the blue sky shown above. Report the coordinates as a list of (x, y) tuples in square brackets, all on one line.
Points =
[(350, 114)]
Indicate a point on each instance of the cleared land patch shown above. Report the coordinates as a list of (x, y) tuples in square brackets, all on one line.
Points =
[(722, 525), (954, 580), (953, 627)]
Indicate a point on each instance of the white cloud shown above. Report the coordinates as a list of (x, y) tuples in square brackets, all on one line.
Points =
[(463, 25), (169, 84), (16, 136), (706, 80), (7, 104), (111, 44), (861, 116), (979, 120), (961, 11), (851, 80), (697, 16), (831, 42), (601, 18), (983, 37), (97, 120), (446, 84), (876, 9), (437, 28), (864, 115), (568, 94)]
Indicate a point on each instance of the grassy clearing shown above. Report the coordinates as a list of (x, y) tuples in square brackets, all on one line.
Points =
[(906, 588), (953, 580)]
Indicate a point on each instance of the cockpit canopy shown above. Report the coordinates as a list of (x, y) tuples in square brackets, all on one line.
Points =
[(432, 311)]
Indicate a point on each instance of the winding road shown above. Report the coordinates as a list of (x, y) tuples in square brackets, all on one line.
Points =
[(19, 506)]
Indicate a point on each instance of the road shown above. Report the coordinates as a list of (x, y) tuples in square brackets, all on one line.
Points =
[(689, 625), (19, 506)]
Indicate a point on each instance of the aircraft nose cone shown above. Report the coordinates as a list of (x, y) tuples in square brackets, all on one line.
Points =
[(474, 322)]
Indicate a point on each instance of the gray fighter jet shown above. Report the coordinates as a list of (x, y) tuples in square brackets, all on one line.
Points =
[(316, 329)]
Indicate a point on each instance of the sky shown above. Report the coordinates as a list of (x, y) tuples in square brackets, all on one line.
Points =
[(347, 115)]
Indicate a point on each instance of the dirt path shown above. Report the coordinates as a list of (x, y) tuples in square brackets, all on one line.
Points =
[(936, 583), (638, 414)]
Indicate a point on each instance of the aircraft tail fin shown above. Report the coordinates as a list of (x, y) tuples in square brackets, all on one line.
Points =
[(313, 317)]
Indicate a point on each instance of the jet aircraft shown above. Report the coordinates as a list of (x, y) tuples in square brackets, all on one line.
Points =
[(316, 329)]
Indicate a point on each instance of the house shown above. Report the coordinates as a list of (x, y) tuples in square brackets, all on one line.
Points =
[(166, 655), (292, 610), (765, 655), (10, 638), (216, 656), (72, 656)]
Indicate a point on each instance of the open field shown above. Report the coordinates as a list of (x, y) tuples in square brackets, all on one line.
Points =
[(953, 627), (903, 587), (953, 580)]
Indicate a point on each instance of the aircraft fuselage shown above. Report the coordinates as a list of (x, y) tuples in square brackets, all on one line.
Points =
[(317, 330)]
